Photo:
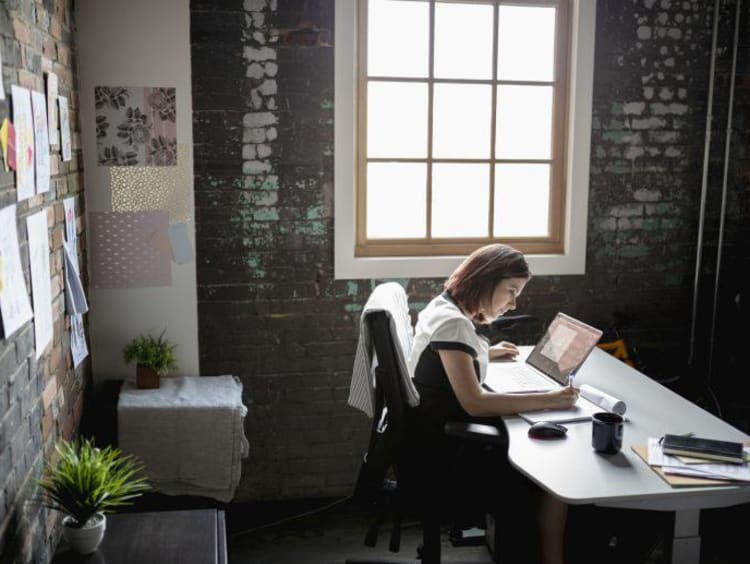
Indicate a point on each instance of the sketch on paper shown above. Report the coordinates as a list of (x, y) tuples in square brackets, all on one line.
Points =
[(54, 140), (36, 227), (41, 141), (14, 299), (136, 126), (24, 125), (64, 128)]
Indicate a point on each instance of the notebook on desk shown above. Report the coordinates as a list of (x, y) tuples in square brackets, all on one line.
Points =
[(563, 348)]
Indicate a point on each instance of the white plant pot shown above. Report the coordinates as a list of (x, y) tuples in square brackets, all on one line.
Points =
[(86, 539)]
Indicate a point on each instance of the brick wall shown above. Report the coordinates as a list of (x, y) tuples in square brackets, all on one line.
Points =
[(40, 400), (729, 363), (269, 310)]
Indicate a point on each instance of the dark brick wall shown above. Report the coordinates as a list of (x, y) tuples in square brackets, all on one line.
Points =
[(40, 401), (733, 297), (269, 309)]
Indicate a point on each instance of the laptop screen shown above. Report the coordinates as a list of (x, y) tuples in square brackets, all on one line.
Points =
[(563, 347)]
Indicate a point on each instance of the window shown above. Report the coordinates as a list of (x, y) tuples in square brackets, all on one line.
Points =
[(456, 126)]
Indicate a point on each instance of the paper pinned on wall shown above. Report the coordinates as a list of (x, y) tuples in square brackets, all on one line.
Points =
[(54, 139), (2, 87), (127, 249), (41, 141), (24, 124), (78, 347), (75, 297), (69, 206), (146, 188), (36, 226), (136, 126), (8, 142), (64, 128), (182, 252), (14, 299)]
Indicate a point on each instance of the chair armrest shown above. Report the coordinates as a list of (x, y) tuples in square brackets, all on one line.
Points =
[(474, 431)]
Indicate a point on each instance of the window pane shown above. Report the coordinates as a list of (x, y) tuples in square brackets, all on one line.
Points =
[(524, 122), (396, 200), (521, 200), (396, 119), (460, 200), (461, 121), (463, 41), (526, 43), (398, 38)]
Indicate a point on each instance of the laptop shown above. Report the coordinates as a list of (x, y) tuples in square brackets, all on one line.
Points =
[(561, 351)]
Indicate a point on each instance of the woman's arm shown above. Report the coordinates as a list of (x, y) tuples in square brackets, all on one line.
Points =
[(480, 403)]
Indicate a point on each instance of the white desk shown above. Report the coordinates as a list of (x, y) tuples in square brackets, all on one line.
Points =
[(573, 472)]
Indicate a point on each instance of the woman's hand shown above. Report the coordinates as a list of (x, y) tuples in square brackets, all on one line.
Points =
[(504, 349), (563, 398)]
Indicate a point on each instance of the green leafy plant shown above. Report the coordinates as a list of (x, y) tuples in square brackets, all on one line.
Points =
[(86, 480), (154, 352)]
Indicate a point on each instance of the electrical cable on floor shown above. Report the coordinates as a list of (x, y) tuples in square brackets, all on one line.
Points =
[(292, 517)]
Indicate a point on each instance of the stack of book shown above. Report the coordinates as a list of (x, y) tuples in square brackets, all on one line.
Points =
[(700, 458)]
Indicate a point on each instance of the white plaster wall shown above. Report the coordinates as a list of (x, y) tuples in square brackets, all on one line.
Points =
[(136, 43)]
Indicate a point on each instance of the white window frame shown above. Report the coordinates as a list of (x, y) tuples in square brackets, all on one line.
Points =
[(571, 261)]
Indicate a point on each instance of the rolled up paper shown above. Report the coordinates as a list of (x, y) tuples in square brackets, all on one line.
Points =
[(603, 400)]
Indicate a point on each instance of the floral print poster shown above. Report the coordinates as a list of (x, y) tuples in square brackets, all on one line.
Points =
[(136, 126)]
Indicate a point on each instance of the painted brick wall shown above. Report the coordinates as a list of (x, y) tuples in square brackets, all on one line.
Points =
[(269, 310), (40, 401), (651, 73)]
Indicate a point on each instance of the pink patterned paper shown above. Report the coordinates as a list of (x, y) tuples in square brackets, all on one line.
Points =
[(125, 252)]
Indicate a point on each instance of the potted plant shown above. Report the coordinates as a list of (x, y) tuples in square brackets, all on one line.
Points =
[(153, 356), (86, 483)]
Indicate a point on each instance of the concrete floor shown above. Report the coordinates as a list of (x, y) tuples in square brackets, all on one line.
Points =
[(594, 534), (332, 538)]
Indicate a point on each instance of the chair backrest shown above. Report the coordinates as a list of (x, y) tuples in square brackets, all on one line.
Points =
[(388, 425)]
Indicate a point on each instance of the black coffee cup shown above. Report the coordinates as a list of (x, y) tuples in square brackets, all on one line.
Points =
[(606, 432)]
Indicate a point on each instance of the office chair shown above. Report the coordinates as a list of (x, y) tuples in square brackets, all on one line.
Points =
[(392, 478)]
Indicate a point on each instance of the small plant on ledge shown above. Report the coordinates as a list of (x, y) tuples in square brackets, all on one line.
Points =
[(153, 356), (85, 483)]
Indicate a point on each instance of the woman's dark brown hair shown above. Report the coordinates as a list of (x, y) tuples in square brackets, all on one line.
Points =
[(475, 279)]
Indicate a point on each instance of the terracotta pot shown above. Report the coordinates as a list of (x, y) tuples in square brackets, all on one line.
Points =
[(86, 539), (146, 378)]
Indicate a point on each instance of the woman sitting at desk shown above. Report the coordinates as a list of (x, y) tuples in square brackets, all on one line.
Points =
[(448, 362)]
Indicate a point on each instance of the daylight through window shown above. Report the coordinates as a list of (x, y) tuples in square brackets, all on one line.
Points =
[(461, 126)]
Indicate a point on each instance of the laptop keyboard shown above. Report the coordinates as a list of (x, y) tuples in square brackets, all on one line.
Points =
[(522, 378)]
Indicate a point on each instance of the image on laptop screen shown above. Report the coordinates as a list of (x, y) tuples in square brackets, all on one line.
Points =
[(564, 346)]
